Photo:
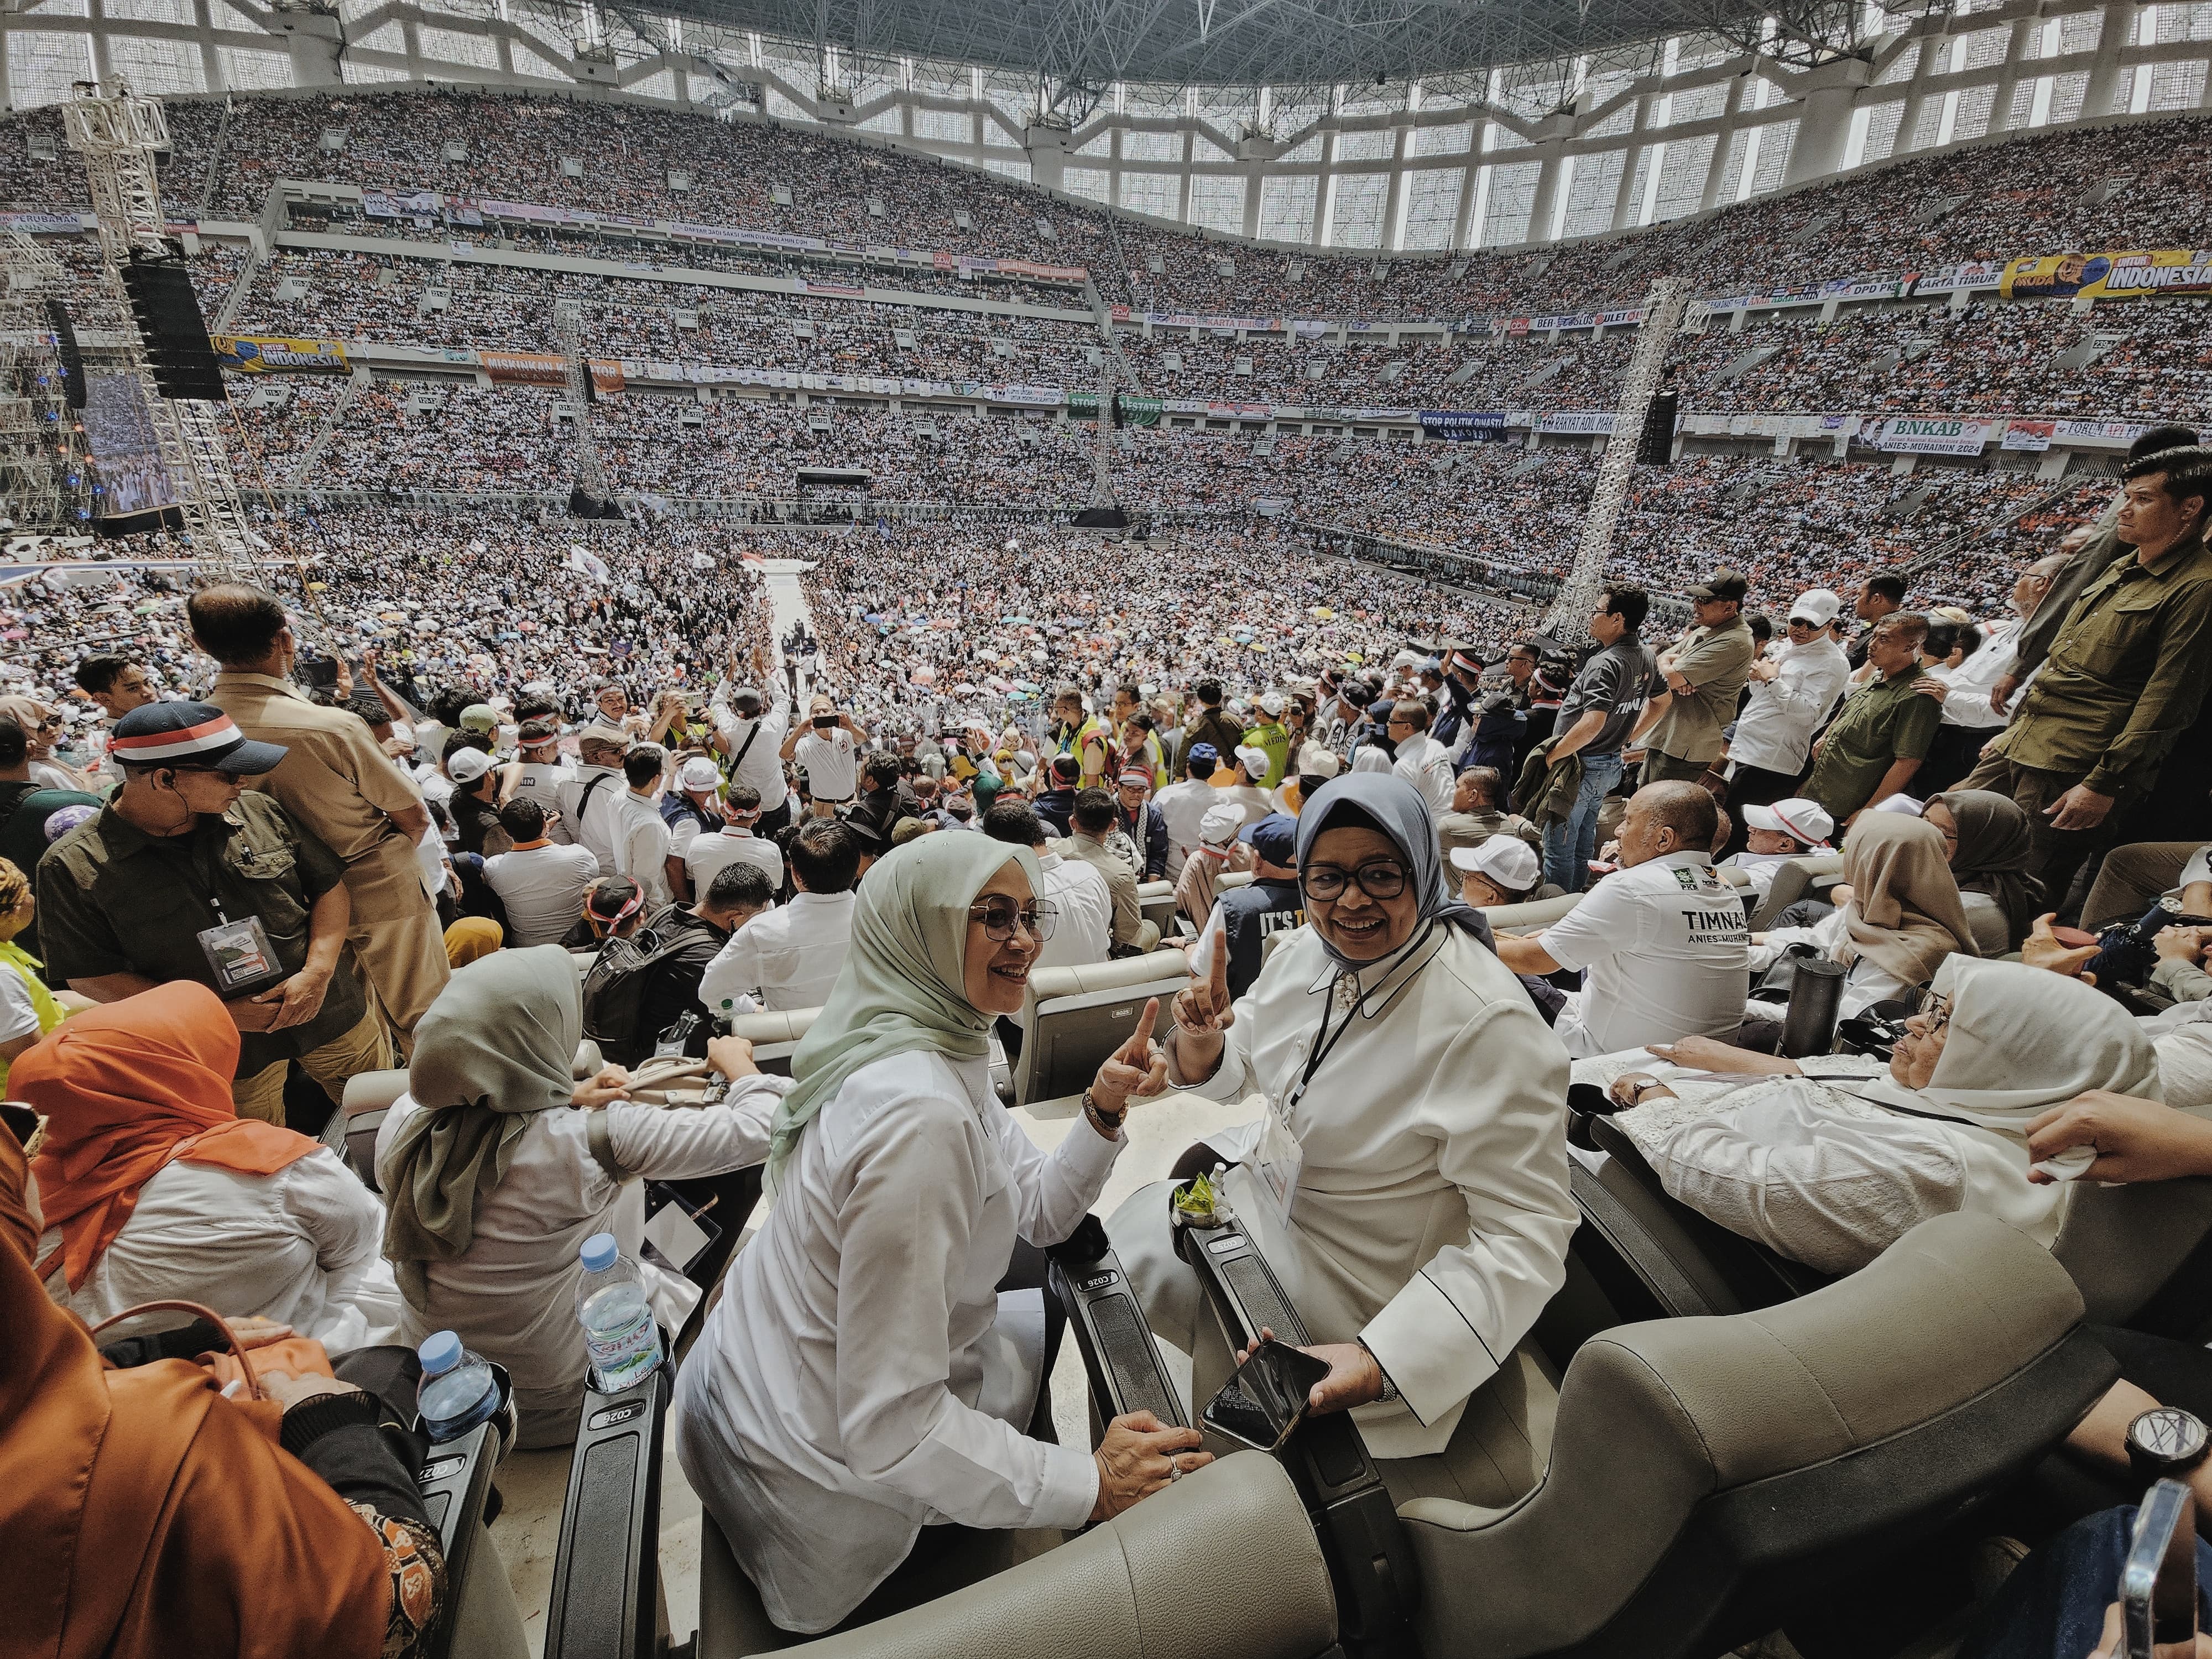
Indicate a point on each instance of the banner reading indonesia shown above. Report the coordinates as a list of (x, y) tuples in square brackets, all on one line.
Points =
[(273, 354), (2132, 276)]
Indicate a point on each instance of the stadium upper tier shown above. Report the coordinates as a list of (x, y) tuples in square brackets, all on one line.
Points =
[(2072, 190)]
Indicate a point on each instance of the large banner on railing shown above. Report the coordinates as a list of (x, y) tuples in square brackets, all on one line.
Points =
[(400, 204), (272, 354), (1913, 435), (2129, 275), (1462, 424), (523, 368)]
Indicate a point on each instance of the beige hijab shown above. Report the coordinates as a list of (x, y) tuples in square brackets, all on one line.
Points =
[(1904, 912)]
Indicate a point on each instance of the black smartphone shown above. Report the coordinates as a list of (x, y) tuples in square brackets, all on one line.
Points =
[(1265, 1400), (823, 722), (22, 1122)]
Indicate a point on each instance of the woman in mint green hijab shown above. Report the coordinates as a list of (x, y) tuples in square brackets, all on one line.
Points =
[(862, 1378)]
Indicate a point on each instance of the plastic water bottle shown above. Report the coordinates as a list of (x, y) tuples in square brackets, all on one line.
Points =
[(457, 1390), (612, 1305)]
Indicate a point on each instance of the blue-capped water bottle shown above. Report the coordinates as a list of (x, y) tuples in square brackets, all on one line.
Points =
[(617, 1315), (457, 1390)]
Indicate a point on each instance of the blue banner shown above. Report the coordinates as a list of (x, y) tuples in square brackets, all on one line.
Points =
[(1463, 425)]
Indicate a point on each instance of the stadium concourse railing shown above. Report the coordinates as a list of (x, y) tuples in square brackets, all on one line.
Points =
[(781, 510)]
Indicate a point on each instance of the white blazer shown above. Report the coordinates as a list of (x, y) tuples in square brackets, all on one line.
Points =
[(1432, 1214)]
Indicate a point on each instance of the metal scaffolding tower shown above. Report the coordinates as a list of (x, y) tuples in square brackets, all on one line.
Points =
[(590, 483), (45, 482), (117, 136), (1662, 316)]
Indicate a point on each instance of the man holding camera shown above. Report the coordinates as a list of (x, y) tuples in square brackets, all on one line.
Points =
[(828, 751)]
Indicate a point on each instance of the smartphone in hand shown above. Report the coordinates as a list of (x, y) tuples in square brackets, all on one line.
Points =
[(1265, 1400)]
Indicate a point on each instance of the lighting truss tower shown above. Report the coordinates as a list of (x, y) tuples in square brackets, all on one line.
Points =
[(46, 484), (590, 482), (1662, 316), (1102, 456), (117, 135)]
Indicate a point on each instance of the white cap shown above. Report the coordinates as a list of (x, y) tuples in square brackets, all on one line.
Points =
[(1255, 760), (1508, 861), (1816, 605), (467, 765), (1271, 703), (700, 774), (1219, 826), (1318, 760), (1899, 802), (1800, 819)]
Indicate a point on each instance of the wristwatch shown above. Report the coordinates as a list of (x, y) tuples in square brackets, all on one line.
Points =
[(1111, 1125), (1389, 1388), (2165, 1444)]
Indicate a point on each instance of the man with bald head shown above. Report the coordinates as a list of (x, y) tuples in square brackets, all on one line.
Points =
[(1662, 942)]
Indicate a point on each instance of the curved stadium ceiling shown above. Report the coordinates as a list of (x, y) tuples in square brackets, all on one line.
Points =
[(1225, 42)]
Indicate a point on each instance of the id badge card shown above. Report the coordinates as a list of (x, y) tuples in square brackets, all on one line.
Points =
[(239, 957), (1278, 1160)]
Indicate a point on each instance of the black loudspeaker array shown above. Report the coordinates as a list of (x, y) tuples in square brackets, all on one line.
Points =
[(177, 348), (72, 359), (1655, 445)]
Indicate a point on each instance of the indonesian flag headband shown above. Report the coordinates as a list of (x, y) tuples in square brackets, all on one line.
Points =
[(191, 737)]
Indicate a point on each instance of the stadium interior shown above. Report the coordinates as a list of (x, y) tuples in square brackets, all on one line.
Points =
[(839, 429)]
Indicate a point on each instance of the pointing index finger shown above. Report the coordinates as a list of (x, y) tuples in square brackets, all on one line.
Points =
[(1220, 977), (1141, 1040)]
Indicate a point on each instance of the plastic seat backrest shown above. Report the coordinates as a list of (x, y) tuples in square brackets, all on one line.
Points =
[(1532, 917), (1793, 879), (1733, 1464), (774, 1035), (1073, 1018), (2141, 1254), (1992, 929)]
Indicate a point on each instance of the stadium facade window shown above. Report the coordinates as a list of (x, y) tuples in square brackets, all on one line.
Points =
[(1433, 197), (1682, 177), (253, 71), (1146, 146), (892, 123), (1973, 116), (1901, 68), (1775, 142), (1286, 207), (1089, 183), (1590, 195), (1512, 196), (2176, 86), (944, 126), (1154, 193), (1357, 215), (1306, 149), (1006, 169), (1216, 201), (1455, 140), (1099, 144), (477, 50), (153, 66), (1366, 145)]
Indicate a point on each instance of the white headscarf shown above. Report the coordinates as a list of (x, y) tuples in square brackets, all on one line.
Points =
[(2022, 1040)]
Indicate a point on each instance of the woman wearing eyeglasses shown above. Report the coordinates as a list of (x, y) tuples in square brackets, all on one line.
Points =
[(1406, 1177), (1831, 1169), (853, 1415)]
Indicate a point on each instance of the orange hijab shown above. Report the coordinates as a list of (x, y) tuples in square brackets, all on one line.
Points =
[(146, 1515), (125, 1088)]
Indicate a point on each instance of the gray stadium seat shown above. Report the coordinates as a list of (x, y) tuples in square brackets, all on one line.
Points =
[(1532, 917), (1073, 1018), (774, 1035), (1793, 881), (1156, 903)]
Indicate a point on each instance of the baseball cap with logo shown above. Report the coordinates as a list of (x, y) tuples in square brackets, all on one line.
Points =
[(192, 737), (1816, 605), (1204, 753), (1800, 819), (1508, 861), (1721, 585)]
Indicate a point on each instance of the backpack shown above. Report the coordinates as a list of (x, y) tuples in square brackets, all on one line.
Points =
[(614, 988)]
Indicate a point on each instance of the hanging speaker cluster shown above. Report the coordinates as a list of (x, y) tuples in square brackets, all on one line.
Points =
[(1655, 445), (65, 345), (177, 348)]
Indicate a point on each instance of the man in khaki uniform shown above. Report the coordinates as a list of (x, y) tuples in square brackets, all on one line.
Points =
[(337, 781), (1703, 674)]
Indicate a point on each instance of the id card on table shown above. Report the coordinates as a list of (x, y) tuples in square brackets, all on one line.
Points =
[(240, 957), (1278, 1159)]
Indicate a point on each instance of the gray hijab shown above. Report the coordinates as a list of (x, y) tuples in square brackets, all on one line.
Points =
[(497, 1046), (1387, 803)]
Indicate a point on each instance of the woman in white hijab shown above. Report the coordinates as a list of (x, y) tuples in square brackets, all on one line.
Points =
[(1831, 1170), (850, 1415)]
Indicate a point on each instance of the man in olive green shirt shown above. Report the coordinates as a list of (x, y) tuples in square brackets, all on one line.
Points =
[(1882, 732), (1701, 677), (2124, 681), (186, 874)]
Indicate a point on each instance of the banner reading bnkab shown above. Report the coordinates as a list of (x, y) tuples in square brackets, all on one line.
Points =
[(272, 354), (2132, 276)]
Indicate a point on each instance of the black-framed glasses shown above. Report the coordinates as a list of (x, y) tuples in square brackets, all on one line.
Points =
[(1384, 878), (1936, 1009), (999, 915)]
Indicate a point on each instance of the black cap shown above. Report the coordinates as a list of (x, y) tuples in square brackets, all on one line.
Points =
[(1721, 585)]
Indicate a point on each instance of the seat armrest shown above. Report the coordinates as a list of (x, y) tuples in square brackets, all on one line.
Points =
[(605, 1600), (455, 1481), (1229, 1548)]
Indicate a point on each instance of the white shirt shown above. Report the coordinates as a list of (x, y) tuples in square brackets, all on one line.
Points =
[(541, 781), (707, 855), (542, 888), (1775, 731), (1426, 765), (595, 829), (512, 1295), (1967, 701), (18, 1019), (303, 1246), (762, 768), (1182, 806), (1432, 1214), (1084, 932), (1664, 948), (642, 844), (791, 955), (832, 764), (853, 1384)]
